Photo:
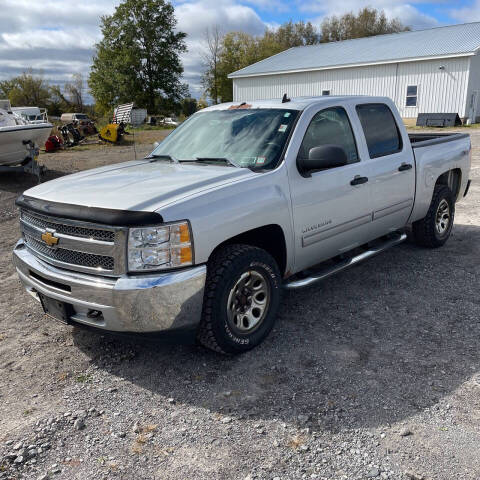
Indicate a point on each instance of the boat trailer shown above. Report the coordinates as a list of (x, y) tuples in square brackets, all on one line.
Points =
[(30, 164)]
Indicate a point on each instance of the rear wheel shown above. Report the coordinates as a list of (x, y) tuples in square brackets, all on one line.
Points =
[(433, 230), (242, 295)]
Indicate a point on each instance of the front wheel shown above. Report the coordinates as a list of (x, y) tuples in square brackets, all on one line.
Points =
[(433, 230), (242, 295)]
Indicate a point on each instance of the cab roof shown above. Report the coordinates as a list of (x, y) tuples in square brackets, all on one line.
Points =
[(297, 103)]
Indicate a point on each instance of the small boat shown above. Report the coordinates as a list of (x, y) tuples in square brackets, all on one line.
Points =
[(15, 134), (31, 114)]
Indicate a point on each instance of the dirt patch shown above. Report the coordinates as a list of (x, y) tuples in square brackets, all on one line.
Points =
[(94, 153)]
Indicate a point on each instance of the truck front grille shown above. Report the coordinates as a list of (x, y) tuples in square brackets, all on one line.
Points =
[(70, 257), (76, 231), (81, 247)]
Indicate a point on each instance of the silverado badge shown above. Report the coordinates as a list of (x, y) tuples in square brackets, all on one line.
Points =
[(49, 238)]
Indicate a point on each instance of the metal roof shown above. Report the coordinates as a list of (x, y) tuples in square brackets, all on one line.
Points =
[(440, 42)]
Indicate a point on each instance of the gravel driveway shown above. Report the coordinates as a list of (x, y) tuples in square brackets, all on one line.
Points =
[(374, 373)]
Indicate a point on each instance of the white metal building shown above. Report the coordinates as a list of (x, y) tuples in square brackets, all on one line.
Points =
[(426, 71)]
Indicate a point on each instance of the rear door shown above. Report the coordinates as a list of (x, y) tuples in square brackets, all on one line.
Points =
[(391, 168), (330, 214)]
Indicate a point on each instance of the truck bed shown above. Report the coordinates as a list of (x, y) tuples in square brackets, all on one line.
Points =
[(435, 154), (426, 139)]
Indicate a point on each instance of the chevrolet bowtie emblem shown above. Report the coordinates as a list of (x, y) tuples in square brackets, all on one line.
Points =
[(49, 239)]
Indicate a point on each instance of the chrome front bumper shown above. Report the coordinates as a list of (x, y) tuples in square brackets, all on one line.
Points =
[(141, 303)]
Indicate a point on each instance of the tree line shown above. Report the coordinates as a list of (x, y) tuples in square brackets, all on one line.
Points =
[(28, 89), (226, 53), (139, 59)]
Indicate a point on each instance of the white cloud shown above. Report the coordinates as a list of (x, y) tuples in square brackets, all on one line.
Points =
[(21, 14), (467, 14), (74, 38), (49, 36), (271, 5), (195, 17), (406, 12), (411, 17)]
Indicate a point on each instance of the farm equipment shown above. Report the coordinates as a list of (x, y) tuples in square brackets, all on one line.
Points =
[(114, 132), (86, 127), (53, 143), (71, 135)]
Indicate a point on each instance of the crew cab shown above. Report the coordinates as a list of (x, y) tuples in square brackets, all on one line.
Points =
[(238, 203)]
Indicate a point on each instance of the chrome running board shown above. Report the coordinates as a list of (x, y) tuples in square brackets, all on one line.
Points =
[(327, 271)]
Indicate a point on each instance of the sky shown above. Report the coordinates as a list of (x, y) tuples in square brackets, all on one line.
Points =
[(56, 38)]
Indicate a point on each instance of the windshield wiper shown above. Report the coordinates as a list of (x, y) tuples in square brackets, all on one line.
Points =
[(162, 156), (214, 159)]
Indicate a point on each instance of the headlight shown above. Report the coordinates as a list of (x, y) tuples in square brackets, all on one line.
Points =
[(159, 248)]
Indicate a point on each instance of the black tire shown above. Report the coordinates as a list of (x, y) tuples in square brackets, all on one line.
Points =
[(224, 270), (425, 231)]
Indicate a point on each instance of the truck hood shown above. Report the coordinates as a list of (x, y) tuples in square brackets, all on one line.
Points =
[(138, 185)]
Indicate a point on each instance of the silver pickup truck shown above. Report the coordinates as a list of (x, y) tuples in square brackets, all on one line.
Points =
[(238, 203)]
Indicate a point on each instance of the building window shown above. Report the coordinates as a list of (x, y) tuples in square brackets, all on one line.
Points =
[(325, 92), (411, 96)]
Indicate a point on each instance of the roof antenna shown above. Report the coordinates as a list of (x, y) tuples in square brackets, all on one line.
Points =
[(285, 99)]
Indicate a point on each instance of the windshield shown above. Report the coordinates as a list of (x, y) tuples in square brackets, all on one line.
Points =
[(80, 116), (253, 138)]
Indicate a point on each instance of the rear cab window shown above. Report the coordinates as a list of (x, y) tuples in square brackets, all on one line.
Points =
[(380, 128)]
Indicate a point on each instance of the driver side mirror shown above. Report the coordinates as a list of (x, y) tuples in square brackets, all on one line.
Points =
[(321, 158)]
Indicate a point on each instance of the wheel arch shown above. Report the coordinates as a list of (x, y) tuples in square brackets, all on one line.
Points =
[(425, 188), (452, 179), (270, 238)]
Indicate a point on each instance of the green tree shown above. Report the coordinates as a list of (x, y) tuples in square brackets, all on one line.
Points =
[(291, 35), (236, 50), (239, 49), (58, 103), (367, 23), (6, 86), (167, 106), (26, 90), (33, 90), (138, 58), (189, 106)]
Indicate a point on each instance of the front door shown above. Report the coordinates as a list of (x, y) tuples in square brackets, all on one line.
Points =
[(331, 208)]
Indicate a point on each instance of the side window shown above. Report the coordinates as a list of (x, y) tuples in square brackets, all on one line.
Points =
[(381, 131), (412, 96), (330, 127), (325, 92)]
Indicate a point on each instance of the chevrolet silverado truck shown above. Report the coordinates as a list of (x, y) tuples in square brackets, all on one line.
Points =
[(238, 203)]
